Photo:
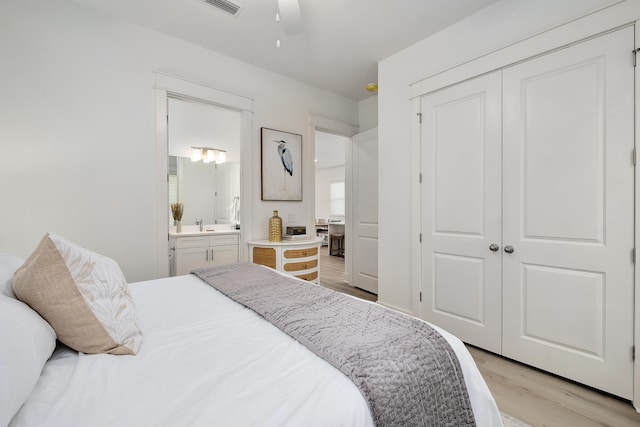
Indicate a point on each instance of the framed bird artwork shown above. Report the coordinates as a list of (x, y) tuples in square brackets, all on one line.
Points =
[(281, 154)]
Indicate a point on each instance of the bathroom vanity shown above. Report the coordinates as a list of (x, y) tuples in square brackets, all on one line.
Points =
[(191, 248)]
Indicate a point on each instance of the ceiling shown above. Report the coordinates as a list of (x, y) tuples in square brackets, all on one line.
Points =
[(337, 48)]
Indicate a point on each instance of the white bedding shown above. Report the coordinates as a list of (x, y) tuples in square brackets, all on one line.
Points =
[(205, 360)]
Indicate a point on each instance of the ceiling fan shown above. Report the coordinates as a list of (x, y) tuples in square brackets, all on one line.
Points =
[(289, 15)]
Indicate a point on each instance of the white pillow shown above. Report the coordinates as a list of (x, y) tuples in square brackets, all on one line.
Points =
[(8, 265), (26, 342)]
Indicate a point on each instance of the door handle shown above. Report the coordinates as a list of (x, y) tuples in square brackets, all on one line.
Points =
[(509, 249), (493, 247)]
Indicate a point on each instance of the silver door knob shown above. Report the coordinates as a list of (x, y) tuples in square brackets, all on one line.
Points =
[(493, 247), (509, 249)]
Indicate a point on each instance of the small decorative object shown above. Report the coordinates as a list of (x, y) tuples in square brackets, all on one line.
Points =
[(281, 165), (275, 228), (176, 211)]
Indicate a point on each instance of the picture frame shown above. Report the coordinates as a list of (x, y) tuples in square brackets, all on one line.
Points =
[(281, 165)]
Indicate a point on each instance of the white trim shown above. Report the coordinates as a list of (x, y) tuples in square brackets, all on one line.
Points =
[(416, 209), (162, 197), (636, 365), (246, 184), (181, 87), (168, 86), (604, 20), (326, 124)]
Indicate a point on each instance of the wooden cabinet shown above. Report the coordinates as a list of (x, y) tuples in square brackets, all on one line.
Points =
[(299, 258), (202, 251)]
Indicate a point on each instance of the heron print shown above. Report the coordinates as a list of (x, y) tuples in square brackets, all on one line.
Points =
[(281, 165), (287, 161)]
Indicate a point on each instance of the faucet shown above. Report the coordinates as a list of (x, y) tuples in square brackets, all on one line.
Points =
[(200, 223)]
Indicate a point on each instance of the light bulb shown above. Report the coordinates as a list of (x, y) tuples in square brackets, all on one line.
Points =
[(196, 155), (211, 156), (222, 157)]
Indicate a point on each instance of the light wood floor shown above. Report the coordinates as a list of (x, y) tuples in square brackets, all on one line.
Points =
[(332, 276), (533, 396), (542, 399)]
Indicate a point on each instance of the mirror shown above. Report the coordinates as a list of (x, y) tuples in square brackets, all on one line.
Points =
[(208, 190)]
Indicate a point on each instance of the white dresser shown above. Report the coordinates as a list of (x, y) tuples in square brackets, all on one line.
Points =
[(299, 258), (202, 249)]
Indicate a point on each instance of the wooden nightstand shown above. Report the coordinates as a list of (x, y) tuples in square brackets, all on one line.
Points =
[(299, 258)]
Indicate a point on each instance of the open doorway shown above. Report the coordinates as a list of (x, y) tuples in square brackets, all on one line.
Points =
[(330, 155), (171, 87)]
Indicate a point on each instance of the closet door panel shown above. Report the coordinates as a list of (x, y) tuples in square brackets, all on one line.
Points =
[(461, 207), (568, 212), (563, 111)]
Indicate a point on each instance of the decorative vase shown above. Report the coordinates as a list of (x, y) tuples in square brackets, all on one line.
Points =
[(275, 228), (178, 226)]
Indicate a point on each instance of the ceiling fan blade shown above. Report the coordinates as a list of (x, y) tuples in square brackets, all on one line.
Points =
[(290, 16)]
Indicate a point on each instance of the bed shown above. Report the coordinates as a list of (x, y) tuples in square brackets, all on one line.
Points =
[(203, 359)]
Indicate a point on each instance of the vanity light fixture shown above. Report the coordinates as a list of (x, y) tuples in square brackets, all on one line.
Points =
[(208, 155)]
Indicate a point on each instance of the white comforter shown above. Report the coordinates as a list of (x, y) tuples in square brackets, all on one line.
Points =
[(207, 361)]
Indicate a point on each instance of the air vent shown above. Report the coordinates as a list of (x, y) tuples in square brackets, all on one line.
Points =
[(224, 5)]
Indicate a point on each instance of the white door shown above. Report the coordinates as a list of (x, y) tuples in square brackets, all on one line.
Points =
[(364, 211), (461, 209), (568, 212)]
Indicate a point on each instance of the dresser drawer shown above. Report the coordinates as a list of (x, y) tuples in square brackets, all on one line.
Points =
[(309, 277), (300, 253), (299, 266), (265, 256)]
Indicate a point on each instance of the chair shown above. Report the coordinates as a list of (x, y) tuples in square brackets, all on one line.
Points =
[(336, 245)]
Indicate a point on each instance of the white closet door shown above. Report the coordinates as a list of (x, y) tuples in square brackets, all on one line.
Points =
[(461, 208), (568, 212)]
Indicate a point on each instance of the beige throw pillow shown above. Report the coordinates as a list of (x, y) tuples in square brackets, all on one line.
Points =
[(83, 295)]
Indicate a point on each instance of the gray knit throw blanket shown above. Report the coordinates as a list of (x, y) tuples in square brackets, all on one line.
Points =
[(404, 368)]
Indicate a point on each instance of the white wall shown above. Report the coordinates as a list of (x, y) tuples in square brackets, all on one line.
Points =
[(368, 113), (77, 128), (494, 27), (324, 178)]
